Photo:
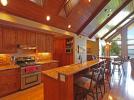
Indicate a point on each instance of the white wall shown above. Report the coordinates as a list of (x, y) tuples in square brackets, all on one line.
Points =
[(82, 42)]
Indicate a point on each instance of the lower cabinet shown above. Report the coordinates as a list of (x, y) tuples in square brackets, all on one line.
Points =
[(9, 81), (50, 65)]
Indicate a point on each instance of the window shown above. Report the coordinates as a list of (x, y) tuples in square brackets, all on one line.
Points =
[(130, 41)]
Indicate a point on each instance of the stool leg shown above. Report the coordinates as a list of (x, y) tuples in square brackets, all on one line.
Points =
[(123, 69), (100, 91), (113, 69), (104, 88), (119, 70), (96, 93)]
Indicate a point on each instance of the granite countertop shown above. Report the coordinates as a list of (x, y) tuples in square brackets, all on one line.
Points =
[(12, 66), (47, 61), (7, 67), (70, 69)]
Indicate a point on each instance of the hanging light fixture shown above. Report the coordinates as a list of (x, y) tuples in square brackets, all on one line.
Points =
[(4, 2)]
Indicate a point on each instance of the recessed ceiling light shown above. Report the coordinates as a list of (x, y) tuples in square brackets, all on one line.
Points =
[(48, 18), (4, 2), (69, 26), (89, 0)]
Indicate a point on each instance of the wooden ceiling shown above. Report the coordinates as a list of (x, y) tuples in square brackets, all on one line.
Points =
[(82, 13), (86, 18)]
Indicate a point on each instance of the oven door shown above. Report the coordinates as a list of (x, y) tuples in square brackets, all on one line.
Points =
[(31, 79)]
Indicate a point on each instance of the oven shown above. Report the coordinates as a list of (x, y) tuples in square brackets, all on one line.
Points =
[(30, 76)]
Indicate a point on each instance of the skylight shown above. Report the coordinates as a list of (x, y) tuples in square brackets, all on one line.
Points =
[(38, 2), (111, 25), (118, 18)]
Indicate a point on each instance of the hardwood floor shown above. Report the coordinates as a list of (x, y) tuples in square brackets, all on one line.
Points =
[(122, 88), (34, 93)]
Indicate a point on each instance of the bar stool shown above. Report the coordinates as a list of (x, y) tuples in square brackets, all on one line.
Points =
[(89, 85), (104, 75), (117, 63), (107, 74)]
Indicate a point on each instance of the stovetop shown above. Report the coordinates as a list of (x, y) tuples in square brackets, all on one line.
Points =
[(25, 61)]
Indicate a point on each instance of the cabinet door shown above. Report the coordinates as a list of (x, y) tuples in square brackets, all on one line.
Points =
[(0, 40), (41, 46), (9, 40), (21, 37), (53, 65), (25, 37), (50, 65), (49, 43), (10, 81), (31, 38)]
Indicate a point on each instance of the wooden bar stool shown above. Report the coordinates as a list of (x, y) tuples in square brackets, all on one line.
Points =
[(118, 62)]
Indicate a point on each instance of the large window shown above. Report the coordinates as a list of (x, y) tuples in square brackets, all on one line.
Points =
[(130, 41)]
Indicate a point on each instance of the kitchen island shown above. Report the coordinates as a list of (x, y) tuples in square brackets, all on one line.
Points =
[(59, 82)]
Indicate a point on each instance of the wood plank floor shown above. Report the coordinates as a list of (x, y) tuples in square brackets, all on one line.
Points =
[(34, 93), (122, 89)]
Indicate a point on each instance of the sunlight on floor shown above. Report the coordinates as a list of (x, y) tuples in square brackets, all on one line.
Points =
[(122, 87)]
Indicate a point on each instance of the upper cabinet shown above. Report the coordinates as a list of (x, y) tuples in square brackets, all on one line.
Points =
[(41, 43), (44, 42), (21, 37), (31, 38), (26, 37), (11, 37), (9, 40), (49, 43), (0, 39)]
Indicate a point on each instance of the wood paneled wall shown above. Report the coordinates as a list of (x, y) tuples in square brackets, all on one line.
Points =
[(60, 52)]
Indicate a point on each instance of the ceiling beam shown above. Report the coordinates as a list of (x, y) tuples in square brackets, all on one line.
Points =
[(118, 25), (126, 25), (114, 14), (92, 16)]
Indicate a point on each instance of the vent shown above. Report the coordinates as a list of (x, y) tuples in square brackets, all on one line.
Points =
[(38, 2)]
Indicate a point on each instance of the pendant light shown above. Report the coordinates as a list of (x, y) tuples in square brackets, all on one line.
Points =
[(4, 2)]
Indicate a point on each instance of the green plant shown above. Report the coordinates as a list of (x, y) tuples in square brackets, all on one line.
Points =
[(115, 49)]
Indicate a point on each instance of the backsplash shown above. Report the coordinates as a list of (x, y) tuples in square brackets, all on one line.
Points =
[(43, 56), (6, 59)]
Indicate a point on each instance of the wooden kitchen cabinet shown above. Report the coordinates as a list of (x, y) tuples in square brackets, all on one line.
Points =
[(41, 42), (49, 65), (49, 43), (9, 40), (31, 38), (26, 38), (21, 37), (10, 81)]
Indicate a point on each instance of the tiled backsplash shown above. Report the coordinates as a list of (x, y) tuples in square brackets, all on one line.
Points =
[(6, 59), (44, 56)]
